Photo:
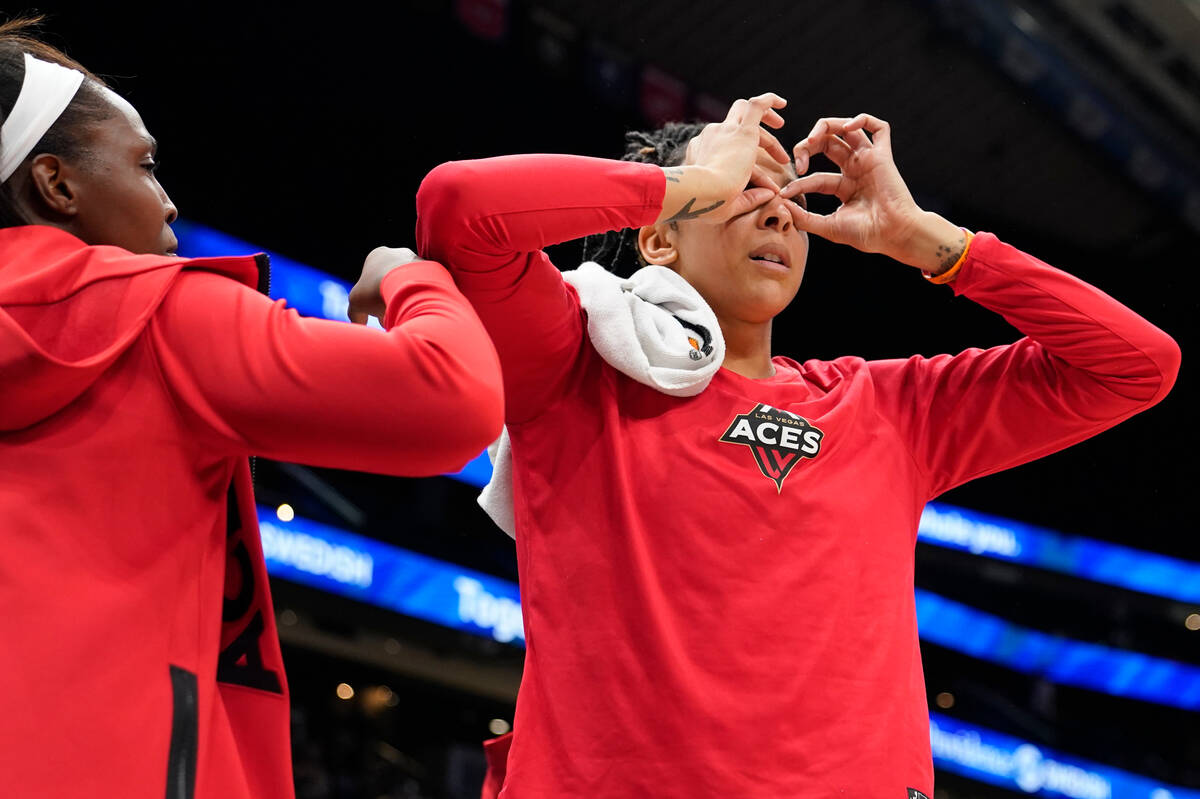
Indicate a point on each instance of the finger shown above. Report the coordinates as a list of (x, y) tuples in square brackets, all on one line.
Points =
[(771, 99), (737, 111), (780, 173), (790, 190), (768, 102), (855, 138), (820, 224), (833, 183), (768, 142), (388, 258), (881, 131), (759, 110), (851, 131), (795, 212), (357, 316), (750, 199), (771, 119), (803, 149), (822, 126), (764, 178), (838, 151), (841, 126), (836, 148)]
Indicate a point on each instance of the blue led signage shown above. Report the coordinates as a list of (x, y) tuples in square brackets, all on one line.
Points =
[(371, 571)]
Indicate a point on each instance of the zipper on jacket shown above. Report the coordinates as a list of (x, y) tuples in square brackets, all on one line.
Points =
[(181, 757), (263, 262)]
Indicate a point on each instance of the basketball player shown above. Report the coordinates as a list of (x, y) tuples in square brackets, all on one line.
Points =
[(717, 586), (139, 653)]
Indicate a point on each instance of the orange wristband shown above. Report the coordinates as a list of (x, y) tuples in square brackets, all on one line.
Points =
[(952, 272)]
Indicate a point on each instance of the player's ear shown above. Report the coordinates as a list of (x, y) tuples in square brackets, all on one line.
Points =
[(656, 243), (52, 180)]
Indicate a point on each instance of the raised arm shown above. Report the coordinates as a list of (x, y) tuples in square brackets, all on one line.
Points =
[(1087, 362), (421, 398), (487, 220)]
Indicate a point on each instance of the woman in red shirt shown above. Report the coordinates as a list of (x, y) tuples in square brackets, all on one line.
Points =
[(140, 653), (717, 576)]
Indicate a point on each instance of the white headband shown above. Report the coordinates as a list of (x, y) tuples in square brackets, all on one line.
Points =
[(45, 93)]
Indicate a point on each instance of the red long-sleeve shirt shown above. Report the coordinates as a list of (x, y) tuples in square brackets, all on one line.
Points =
[(718, 590), (140, 657)]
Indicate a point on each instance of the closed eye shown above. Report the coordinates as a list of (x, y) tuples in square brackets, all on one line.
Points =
[(799, 199)]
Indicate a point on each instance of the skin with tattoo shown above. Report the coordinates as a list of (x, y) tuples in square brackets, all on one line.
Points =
[(685, 213), (949, 255), (734, 223)]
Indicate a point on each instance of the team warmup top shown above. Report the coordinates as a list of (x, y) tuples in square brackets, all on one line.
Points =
[(140, 656), (718, 590)]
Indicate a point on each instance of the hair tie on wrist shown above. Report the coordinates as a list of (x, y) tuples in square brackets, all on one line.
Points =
[(952, 272)]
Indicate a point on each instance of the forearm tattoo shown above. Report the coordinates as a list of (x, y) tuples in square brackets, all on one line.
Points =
[(673, 173), (948, 256), (686, 212)]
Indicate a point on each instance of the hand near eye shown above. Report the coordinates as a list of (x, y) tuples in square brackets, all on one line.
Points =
[(878, 213), (727, 156), (366, 298)]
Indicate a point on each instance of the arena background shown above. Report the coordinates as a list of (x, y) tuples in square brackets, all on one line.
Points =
[(1068, 127)]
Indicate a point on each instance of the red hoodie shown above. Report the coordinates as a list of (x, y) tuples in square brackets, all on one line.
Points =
[(718, 590), (140, 652)]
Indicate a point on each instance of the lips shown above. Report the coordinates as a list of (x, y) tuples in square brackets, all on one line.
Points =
[(771, 254)]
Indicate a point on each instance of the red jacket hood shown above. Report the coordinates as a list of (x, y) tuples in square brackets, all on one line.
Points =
[(69, 310)]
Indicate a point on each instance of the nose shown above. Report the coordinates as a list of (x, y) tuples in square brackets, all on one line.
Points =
[(170, 212), (774, 215)]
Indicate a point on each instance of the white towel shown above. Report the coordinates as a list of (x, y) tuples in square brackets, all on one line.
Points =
[(652, 327)]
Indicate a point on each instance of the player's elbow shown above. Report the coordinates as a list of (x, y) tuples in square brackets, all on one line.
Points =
[(1167, 357), (445, 205), (1147, 372)]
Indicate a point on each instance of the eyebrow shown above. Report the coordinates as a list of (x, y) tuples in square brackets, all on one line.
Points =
[(152, 142)]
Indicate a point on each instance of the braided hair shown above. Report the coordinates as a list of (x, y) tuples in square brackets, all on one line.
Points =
[(617, 250), (67, 137)]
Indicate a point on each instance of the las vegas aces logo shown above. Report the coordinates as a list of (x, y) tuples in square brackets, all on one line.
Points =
[(778, 439)]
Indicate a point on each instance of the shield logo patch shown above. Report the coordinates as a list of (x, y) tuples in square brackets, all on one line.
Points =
[(777, 439)]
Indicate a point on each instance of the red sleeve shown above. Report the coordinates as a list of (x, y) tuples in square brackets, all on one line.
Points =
[(487, 220), (1087, 362), (421, 398)]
